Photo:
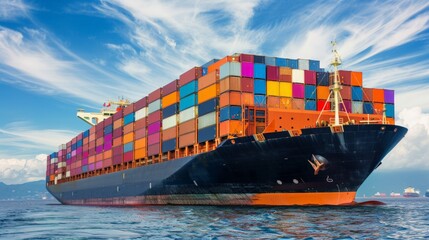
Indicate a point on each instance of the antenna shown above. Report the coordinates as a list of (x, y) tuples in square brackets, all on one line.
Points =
[(336, 61)]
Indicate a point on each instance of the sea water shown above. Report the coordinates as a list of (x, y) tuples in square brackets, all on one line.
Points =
[(400, 218)]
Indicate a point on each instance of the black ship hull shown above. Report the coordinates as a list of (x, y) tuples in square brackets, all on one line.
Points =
[(275, 170)]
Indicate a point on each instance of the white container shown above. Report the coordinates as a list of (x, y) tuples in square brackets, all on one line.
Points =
[(169, 122), (207, 120), (154, 106), (297, 76), (357, 107), (304, 64), (139, 114), (187, 114), (68, 174)]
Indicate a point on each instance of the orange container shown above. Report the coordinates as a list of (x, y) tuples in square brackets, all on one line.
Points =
[(273, 88), (378, 108), (169, 134), (285, 71), (356, 79), (187, 139), (187, 127), (107, 154), (230, 84), (285, 89), (368, 94), (285, 103), (117, 141), (230, 98), (128, 128), (91, 137), (129, 137), (322, 92), (91, 159), (233, 127), (140, 153), (216, 65), (208, 79), (248, 99), (207, 93), (378, 95), (298, 104), (117, 123), (170, 99), (273, 102), (140, 143)]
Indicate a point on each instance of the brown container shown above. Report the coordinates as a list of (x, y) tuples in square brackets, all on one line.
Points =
[(171, 87), (190, 75), (285, 78), (298, 104), (108, 121), (169, 134), (230, 84), (230, 98), (248, 99), (128, 128), (247, 85), (368, 94), (187, 139), (246, 58), (85, 141), (208, 79), (91, 144), (117, 141), (285, 103), (140, 133), (154, 117), (140, 104), (273, 102), (153, 149), (345, 77), (155, 95), (187, 127), (128, 109), (139, 124), (231, 127), (378, 95)]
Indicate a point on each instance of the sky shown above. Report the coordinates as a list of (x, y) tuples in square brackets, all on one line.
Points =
[(59, 56)]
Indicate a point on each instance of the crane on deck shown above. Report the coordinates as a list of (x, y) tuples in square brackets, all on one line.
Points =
[(92, 118)]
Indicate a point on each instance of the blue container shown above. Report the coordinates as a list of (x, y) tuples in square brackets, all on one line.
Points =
[(207, 107), (129, 118), (322, 79), (259, 71), (230, 113), (390, 110), (260, 86), (54, 155), (207, 133), (314, 65), (68, 156), (189, 88), (169, 145), (204, 71), (108, 129), (86, 134), (357, 94), (281, 62), (188, 102), (170, 110), (292, 63), (310, 92), (79, 144), (368, 108), (128, 147), (270, 61), (259, 59), (84, 169), (260, 100), (310, 105), (207, 64), (73, 146)]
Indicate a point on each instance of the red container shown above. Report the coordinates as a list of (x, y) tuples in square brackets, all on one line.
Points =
[(128, 109), (154, 117), (272, 73), (155, 95), (154, 138), (139, 124), (140, 133), (247, 85), (246, 58), (345, 77), (153, 149), (170, 88), (140, 104), (309, 77), (285, 78), (368, 94), (119, 150), (190, 75), (321, 103), (128, 156)]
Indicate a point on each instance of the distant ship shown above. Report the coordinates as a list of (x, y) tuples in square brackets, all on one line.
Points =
[(393, 194), (427, 193), (378, 194), (411, 192)]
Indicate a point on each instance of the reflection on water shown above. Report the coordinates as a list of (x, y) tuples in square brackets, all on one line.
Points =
[(399, 219)]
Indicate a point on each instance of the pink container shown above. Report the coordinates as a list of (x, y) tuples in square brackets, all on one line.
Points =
[(309, 77), (140, 104), (85, 154), (154, 117), (171, 87), (73, 153), (117, 115), (190, 75), (84, 161), (247, 69), (128, 156), (79, 151), (68, 162), (153, 96), (154, 128), (91, 167), (154, 138), (79, 137), (298, 90), (153, 149), (117, 132), (99, 165), (141, 133), (272, 73)]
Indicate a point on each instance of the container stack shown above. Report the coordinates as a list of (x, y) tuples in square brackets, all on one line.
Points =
[(233, 96)]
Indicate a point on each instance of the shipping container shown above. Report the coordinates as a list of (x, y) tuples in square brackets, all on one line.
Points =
[(207, 106), (298, 90), (260, 87), (230, 113), (170, 88), (357, 94), (230, 69), (270, 61), (169, 133), (169, 122), (207, 134), (207, 93), (246, 58), (357, 107), (141, 123), (230, 98), (247, 99), (292, 63), (389, 96), (190, 75), (140, 143), (322, 79), (260, 100), (140, 104), (230, 84), (285, 89), (367, 94), (323, 105), (285, 103), (140, 133), (314, 65), (346, 92), (356, 79), (169, 145), (187, 127), (298, 104), (141, 113), (273, 101), (154, 138), (259, 71), (170, 110), (347, 104), (273, 88), (154, 117), (207, 80), (154, 128), (170, 99), (247, 85), (154, 106), (378, 95), (247, 69), (310, 93), (304, 64), (187, 139), (188, 101), (309, 77), (390, 110), (127, 110), (207, 120), (155, 95), (297, 76), (187, 114), (310, 105), (272, 73), (259, 59), (281, 62), (188, 89), (231, 127)]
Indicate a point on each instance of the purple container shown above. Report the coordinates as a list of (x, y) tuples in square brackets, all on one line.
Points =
[(247, 69), (298, 90), (73, 153), (91, 167), (84, 161), (348, 105), (68, 162), (153, 139), (154, 128), (99, 165), (389, 96), (99, 149), (107, 146), (108, 138), (309, 77)]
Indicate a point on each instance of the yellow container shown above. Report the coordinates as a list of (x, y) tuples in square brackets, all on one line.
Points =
[(207, 93), (285, 89), (273, 88), (170, 99), (129, 137)]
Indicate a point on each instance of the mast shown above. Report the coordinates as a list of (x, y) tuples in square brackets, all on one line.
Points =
[(336, 61)]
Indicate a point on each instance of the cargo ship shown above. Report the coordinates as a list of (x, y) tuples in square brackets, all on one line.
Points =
[(411, 192), (241, 130)]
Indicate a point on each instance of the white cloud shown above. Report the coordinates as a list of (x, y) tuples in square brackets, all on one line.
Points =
[(12, 9), (411, 153), (20, 170)]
